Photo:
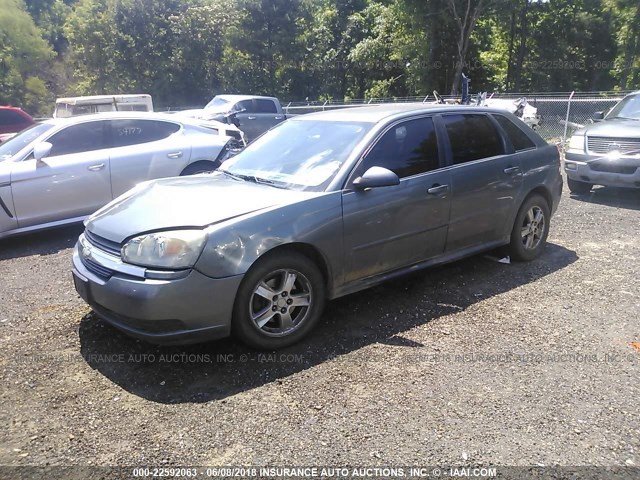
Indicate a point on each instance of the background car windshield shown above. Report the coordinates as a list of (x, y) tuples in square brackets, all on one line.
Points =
[(628, 107), (17, 143), (217, 103), (299, 154)]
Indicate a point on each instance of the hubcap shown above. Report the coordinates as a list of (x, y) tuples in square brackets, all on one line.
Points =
[(533, 228), (280, 302)]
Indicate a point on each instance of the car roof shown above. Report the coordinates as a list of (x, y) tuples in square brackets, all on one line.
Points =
[(244, 97), (108, 98), (384, 112), (122, 116)]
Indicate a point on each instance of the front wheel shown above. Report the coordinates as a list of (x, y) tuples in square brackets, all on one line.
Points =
[(279, 301), (530, 230)]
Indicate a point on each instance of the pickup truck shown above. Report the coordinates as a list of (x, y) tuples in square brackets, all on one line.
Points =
[(252, 114)]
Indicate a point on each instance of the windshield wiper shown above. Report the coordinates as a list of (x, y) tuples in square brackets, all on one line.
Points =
[(271, 183), (239, 176)]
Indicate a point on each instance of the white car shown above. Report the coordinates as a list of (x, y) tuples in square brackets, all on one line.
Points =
[(62, 170)]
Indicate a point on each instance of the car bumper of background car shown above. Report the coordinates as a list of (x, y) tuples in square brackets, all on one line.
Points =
[(613, 172), (192, 309)]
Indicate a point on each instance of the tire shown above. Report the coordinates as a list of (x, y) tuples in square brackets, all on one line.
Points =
[(199, 167), (578, 187), (265, 315), (534, 216)]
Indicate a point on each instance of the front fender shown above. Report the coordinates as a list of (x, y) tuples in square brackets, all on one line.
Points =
[(233, 246)]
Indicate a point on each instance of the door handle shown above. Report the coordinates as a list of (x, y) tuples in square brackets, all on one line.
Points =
[(511, 170), (174, 155), (251, 118), (437, 189), (97, 167)]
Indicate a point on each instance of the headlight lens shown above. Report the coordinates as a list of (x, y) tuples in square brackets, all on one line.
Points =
[(172, 249), (576, 142)]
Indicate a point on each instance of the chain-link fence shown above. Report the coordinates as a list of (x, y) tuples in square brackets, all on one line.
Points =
[(561, 113)]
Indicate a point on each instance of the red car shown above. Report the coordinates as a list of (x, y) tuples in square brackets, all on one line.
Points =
[(12, 120)]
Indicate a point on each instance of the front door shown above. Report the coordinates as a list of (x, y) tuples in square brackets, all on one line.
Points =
[(73, 181), (388, 228)]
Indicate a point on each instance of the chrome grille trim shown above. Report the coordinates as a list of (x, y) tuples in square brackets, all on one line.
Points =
[(603, 145)]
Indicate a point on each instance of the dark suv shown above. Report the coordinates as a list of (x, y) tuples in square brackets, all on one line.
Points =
[(607, 152)]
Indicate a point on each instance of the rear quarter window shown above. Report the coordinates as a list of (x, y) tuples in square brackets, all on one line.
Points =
[(519, 139), (472, 137)]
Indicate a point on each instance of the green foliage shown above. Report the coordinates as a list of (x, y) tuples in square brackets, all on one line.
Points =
[(183, 52)]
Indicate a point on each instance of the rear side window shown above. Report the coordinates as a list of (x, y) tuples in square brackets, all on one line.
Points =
[(83, 137), (472, 137), (265, 106), (10, 117), (408, 148), (519, 139), (134, 132)]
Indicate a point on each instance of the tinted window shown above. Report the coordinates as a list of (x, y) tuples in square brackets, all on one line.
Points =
[(472, 137), (133, 132), (83, 137), (406, 149), (9, 117), (265, 106), (518, 138), (246, 105)]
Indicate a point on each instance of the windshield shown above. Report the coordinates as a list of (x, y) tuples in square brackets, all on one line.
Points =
[(12, 146), (628, 107), (298, 154), (217, 103)]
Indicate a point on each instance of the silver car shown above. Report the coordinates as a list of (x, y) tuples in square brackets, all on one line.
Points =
[(321, 206), (61, 170)]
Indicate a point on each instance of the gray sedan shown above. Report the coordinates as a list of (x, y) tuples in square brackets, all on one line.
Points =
[(62, 170), (319, 207)]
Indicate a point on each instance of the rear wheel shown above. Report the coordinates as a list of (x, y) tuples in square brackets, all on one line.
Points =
[(578, 187), (200, 167), (530, 230), (279, 301)]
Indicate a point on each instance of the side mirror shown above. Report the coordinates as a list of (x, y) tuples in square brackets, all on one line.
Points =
[(376, 177), (597, 117), (41, 150)]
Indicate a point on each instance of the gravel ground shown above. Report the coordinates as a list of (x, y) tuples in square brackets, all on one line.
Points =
[(474, 363)]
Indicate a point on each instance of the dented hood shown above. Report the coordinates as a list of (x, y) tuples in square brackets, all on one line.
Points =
[(195, 201)]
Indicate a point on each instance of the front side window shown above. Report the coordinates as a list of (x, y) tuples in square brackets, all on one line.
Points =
[(133, 132), (409, 148), (245, 106), (472, 137), (83, 137)]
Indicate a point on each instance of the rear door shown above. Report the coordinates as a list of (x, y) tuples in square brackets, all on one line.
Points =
[(73, 181), (486, 179), (391, 227), (143, 149)]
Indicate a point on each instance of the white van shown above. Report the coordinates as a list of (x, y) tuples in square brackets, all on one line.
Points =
[(72, 106)]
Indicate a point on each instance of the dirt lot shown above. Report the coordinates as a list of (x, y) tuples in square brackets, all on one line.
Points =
[(475, 363)]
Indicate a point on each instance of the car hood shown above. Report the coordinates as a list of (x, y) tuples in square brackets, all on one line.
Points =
[(195, 201), (617, 127)]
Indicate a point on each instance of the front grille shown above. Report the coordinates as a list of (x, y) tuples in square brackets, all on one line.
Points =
[(96, 268), (102, 243), (609, 167), (604, 145)]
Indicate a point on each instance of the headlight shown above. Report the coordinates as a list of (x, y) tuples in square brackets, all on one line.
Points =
[(576, 142), (172, 249)]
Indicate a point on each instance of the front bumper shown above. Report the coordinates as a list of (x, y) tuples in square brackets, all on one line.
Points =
[(191, 309), (599, 170)]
